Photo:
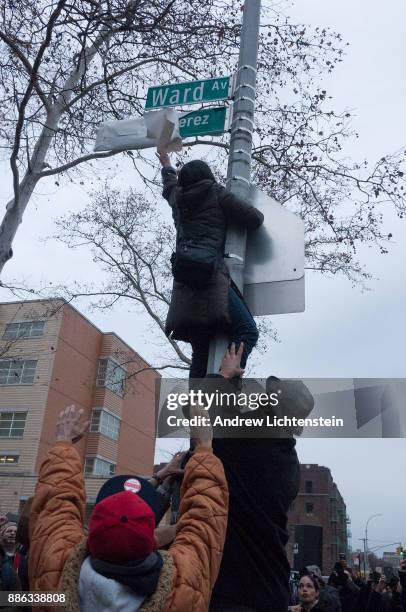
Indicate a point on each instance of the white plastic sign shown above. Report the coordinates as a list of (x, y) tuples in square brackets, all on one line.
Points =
[(274, 260)]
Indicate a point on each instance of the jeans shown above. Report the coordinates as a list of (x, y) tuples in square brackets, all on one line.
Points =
[(243, 329)]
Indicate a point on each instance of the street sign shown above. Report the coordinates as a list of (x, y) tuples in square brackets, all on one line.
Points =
[(203, 121), (192, 92), (274, 260)]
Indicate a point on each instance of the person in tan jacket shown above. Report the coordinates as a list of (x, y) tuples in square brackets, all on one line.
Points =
[(117, 566)]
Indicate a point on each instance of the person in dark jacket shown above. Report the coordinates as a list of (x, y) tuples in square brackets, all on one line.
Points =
[(365, 591), (389, 596), (402, 583), (349, 593), (202, 210), (9, 581), (263, 478), (309, 595), (329, 598), (22, 545)]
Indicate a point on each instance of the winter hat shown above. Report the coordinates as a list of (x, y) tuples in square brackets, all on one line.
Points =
[(314, 569), (5, 527), (294, 398), (3, 519), (121, 529), (193, 172), (122, 524)]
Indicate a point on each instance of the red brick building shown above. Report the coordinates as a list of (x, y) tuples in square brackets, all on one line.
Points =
[(51, 356), (317, 521)]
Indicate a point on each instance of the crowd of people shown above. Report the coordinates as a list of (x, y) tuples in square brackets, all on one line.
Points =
[(226, 552), (185, 568), (347, 591), (128, 557)]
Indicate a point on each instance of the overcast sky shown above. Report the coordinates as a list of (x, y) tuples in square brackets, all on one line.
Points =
[(343, 332)]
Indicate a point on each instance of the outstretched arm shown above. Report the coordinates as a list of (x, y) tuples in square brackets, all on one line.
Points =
[(169, 176), (57, 512), (201, 529), (240, 211)]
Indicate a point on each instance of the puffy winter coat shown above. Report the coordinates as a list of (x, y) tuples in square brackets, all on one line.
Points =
[(58, 543), (201, 213)]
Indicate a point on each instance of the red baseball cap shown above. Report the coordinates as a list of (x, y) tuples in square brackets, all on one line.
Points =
[(121, 528)]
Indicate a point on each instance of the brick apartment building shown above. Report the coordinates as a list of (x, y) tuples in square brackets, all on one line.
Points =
[(51, 356), (317, 521)]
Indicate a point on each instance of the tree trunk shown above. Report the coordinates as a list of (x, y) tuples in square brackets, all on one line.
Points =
[(12, 219), (14, 214)]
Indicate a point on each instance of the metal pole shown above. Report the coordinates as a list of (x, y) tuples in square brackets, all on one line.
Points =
[(239, 160), (366, 536), (365, 558)]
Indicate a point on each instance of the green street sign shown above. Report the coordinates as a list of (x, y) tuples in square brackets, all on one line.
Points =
[(194, 92), (203, 121)]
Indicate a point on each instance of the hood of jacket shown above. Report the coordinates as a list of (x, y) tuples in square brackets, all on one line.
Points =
[(192, 195), (100, 594), (73, 582), (141, 576)]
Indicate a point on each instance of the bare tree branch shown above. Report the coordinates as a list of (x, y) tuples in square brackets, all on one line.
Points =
[(22, 106), (76, 162), (27, 65)]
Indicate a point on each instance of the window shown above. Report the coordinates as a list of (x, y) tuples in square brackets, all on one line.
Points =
[(112, 376), (99, 467), (308, 486), (17, 372), (105, 423), (9, 458), (25, 329), (309, 509), (12, 424)]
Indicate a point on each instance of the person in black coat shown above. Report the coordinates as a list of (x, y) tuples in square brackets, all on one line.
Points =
[(9, 580), (348, 591), (262, 474), (329, 598), (202, 210), (388, 596), (309, 595)]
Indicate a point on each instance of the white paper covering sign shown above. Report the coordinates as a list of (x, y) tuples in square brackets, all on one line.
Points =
[(154, 129)]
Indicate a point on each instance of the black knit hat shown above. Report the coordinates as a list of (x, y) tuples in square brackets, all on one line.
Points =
[(193, 172)]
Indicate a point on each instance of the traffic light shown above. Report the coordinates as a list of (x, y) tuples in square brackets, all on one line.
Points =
[(400, 552)]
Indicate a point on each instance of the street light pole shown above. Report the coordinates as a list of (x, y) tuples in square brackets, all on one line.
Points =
[(239, 160), (366, 540)]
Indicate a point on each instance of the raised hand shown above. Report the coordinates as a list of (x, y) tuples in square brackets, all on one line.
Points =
[(69, 427), (173, 467), (381, 586), (164, 158), (230, 364), (201, 434)]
